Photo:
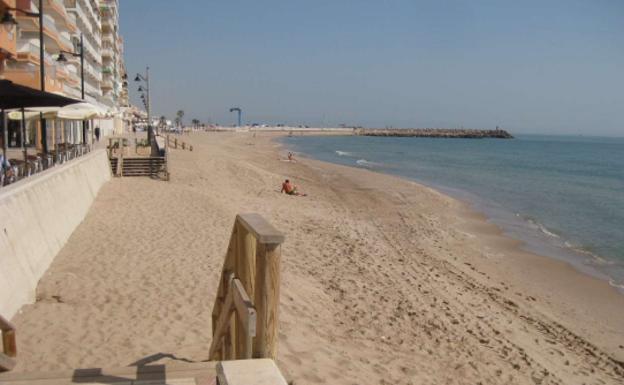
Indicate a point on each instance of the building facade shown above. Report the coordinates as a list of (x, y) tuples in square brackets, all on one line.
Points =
[(64, 23), (86, 15), (113, 69), (23, 66)]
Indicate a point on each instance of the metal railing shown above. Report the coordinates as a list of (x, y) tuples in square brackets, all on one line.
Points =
[(31, 164)]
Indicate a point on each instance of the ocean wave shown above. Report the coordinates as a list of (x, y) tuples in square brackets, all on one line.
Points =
[(617, 285), (535, 224), (366, 163), (344, 153), (596, 260)]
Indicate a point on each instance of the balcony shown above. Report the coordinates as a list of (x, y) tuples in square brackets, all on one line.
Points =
[(93, 87), (71, 91), (94, 14), (58, 6), (108, 38), (80, 18), (50, 24), (107, 52), (53, 36), (29, 51)]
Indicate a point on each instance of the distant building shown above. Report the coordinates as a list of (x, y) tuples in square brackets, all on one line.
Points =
[(113, 68)]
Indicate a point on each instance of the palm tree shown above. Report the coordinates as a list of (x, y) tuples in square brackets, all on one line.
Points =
[(162, 122), (179, 116)]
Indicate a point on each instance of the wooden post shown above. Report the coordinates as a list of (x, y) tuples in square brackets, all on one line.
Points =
[(167, 158), (245, 271), (175, 143), (8, 342), (251, 271), (120, 160), (9, 347), (267, 300), (246, 262), (230, 350), (247, 316)]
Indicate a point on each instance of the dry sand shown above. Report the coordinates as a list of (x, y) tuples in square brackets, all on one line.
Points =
[(384, 281)]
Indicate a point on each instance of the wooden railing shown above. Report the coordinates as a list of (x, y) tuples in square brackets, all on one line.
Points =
[(173, 141), (245, 313), (9, 347)]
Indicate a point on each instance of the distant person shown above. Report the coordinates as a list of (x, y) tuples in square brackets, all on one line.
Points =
[(5, 169), (291, 157), (97, 134), (290, 189)]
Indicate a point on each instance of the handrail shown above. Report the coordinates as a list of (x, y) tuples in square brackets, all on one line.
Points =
[(248, 288), (9, 346)]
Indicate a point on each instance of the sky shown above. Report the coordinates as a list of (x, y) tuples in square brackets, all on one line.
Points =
[(549, 66)]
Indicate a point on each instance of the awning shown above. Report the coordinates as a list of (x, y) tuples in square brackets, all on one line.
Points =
[(15, 96)]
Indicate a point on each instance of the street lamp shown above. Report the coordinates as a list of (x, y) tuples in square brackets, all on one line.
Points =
[(239, 111), (62, 59), (146, 99), (9, 20)]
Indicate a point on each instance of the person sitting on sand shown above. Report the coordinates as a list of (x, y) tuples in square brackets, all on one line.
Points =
[(290, 188), (291, 157)]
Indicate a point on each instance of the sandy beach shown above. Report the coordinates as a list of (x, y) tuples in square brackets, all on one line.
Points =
[(385, 281)]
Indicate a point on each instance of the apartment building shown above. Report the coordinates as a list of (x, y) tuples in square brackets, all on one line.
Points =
[(113, 76), (22, 66), (65, 22), (86, 15), (8, 37)]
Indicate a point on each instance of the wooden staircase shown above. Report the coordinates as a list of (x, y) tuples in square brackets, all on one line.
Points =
[(244, 320), (148, 166)]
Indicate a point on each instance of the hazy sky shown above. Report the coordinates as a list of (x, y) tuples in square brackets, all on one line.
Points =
[(531, 66)]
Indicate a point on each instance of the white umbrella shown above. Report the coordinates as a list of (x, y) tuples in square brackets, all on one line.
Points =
[(80, 111)]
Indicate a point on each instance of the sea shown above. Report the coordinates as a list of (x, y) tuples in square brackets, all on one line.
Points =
[(563, 196)]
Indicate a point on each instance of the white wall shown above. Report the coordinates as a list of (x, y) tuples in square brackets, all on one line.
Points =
[(37, 216)]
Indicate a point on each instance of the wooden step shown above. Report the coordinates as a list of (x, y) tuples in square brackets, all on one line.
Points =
[(176, 373), (148, 166)]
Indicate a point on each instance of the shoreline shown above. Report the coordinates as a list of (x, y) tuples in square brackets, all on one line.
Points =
[(479, 222), (383, 280), (538, 240)]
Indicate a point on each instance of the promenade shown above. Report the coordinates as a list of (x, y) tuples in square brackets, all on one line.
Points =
[(384, 280)]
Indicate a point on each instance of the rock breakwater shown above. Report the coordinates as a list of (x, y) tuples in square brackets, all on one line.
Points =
[(436, 133)]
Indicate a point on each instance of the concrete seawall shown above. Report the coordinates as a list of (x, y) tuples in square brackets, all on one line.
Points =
[(37, 216)]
